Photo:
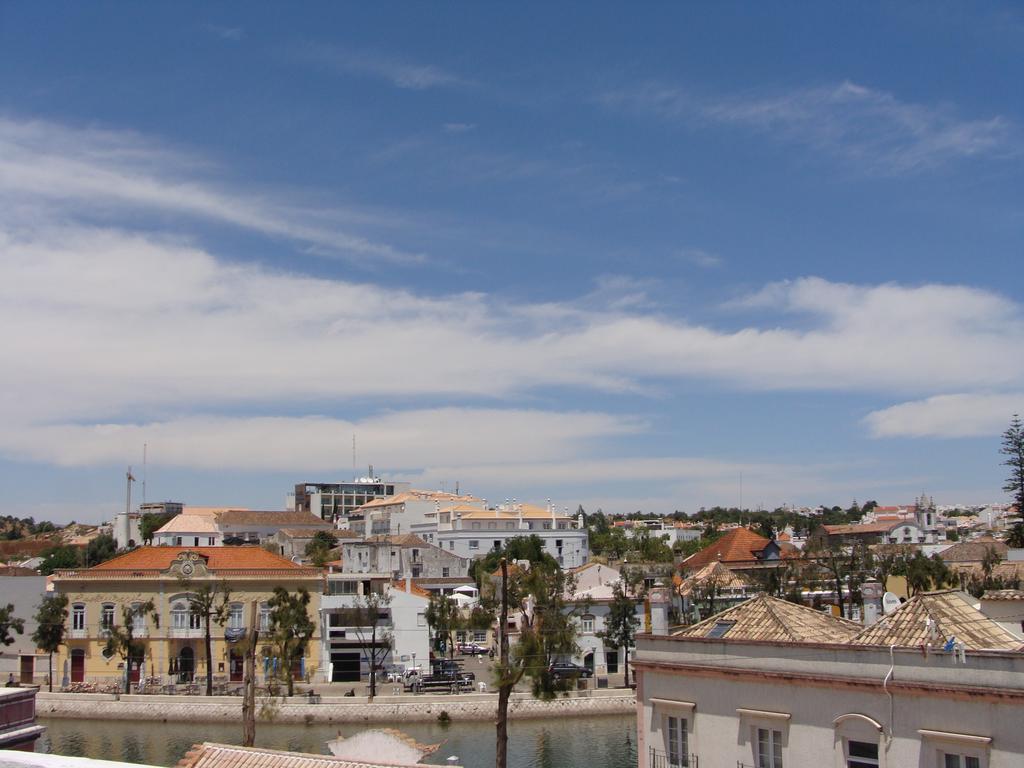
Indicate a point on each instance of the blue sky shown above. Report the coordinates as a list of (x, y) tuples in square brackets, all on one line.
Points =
[(598, 253)]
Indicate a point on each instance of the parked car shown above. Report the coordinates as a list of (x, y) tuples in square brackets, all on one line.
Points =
[(472, 649), (446, 674), (563, 670)]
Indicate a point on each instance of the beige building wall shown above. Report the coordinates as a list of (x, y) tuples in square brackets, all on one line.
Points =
[(163, 641)]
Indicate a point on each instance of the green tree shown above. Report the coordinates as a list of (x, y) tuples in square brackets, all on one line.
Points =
[(1013, 449), (546, 631), (151, 522), (9, 623), (51, 621), (1015, 538), (443, 618), (121, 638), (100, 549), (210, 603), (61, 556), (319, 548), (290, 630), (927, 573), (621, 623)]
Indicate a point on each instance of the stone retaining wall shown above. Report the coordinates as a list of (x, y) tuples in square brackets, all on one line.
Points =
[(385, 709)]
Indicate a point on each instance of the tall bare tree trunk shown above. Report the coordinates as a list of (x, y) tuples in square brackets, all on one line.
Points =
[(249, 699), (625, 659), (50, 673), (373, 663), (505, 685), (209, 658)]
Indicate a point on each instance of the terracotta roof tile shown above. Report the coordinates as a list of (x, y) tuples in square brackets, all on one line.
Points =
[(284, 519), (210, 755), (740, 545), (768, 618), (935, 617), (217, 558), (973, 551)]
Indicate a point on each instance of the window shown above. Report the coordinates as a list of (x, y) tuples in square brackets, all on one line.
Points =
[(862, 754), (177, 541), (264, 618), (196, 542), (179, 615), (415, 554), (547, 526), (421, 619), (676, 747), (210, 540), (720, 629), (451, 545), (587, 624), (950, 760), (769, 748), (445, 573), (235, 617), (474, 544), (107, 616), (138, 619), (479, 635), (510, 526), (78, 616)]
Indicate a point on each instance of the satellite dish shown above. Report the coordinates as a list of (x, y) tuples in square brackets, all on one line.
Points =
[(890, 602)]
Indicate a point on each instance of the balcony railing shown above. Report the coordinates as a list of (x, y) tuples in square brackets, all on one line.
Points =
[(661, 759)]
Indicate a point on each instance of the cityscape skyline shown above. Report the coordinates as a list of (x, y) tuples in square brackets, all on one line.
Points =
[(703, 245)]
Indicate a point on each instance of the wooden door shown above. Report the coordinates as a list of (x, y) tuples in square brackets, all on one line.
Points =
[(77, 666), (28, 669)]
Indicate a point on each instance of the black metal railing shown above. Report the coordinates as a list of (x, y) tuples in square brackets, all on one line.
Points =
[(661, 759)]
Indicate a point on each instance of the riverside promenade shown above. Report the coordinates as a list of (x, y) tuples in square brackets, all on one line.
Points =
[(330, 709)]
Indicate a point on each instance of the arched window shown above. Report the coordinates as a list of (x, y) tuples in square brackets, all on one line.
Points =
[(78, 617), (587, 624), (179, 614), (858, 736)]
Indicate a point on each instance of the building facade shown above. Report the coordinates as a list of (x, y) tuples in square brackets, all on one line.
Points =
[(174, 642), (336, 501)]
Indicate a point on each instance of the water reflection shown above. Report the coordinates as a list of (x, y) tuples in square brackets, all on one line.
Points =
[(597, 742)]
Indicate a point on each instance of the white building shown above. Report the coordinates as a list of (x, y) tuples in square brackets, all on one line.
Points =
[(472, 532), (398, 514), (334, 502), (346, 639), (211, 526), (769, 684), (595, 583)]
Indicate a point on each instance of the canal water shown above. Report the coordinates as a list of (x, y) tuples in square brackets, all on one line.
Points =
[(595, 742)]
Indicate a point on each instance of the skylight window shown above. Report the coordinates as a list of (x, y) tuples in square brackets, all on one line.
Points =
[(721, 628)]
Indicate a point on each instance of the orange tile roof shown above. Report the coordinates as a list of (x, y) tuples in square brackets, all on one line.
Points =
[(771, 619), (740, 545), (217, 558), (414, 589)]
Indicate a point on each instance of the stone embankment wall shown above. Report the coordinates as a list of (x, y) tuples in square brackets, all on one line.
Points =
[(384, 709)]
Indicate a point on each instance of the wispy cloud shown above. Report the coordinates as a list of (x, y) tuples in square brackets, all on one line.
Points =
[(235, 34), (101, 173), (701, 258), (458, 127), (400, 73), (873, 130)]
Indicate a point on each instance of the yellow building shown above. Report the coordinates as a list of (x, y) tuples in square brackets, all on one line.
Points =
[(174, 646)]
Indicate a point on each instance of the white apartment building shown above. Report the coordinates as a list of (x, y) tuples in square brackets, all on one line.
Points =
[(334, 502), (472, 532), (769, 684), (397, 515)]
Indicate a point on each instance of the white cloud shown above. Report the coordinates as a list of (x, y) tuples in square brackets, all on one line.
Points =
[(959, 415), (101, 173), (871, 129), (402, 74), (407, 439), (459, 127)]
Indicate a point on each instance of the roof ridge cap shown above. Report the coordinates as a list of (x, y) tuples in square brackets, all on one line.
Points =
[(771, 611)]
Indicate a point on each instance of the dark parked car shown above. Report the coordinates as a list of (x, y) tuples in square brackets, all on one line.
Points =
[(566, 669)]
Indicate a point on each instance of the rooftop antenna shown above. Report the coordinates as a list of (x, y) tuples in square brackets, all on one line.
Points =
[(741, 490), (143, 474)]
